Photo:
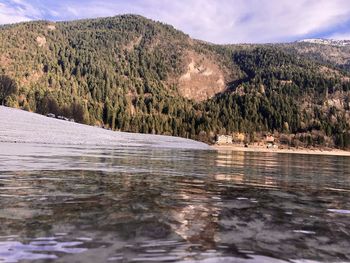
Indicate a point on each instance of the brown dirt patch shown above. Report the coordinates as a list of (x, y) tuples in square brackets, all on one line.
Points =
[(202, 79), (134, 43), (51, 27)]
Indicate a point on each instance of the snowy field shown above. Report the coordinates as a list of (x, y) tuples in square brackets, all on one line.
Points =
[(25, 127)]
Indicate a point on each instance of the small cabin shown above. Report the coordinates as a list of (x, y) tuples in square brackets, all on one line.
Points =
[(271, 146), (270, 142), (224, 139), (269, 139)]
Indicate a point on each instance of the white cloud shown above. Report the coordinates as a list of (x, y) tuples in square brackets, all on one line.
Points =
[(26, 8), (222, 21), (10, 15), (232, 21), (235, 21), (15, 11)]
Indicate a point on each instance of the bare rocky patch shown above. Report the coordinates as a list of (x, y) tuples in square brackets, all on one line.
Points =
[(41, 41), (133, 44), (51, 27), (202, 79)]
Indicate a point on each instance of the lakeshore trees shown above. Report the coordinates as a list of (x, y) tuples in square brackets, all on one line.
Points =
[(8, 87)]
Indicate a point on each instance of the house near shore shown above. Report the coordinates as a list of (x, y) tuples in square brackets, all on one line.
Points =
[(224, 139), (270, 142), (269, 139)]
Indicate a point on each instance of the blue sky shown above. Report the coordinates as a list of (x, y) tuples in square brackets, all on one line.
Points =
[(218, 21)]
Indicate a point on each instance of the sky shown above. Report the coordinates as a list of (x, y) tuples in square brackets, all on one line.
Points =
[(217, 21)]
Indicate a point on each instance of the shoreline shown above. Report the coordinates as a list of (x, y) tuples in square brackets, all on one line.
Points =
[(241, 148)]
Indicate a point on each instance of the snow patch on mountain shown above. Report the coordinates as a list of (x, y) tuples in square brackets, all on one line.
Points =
[(330, 42)]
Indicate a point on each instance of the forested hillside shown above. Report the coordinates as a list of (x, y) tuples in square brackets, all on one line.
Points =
[(132, 74), (336, 56)]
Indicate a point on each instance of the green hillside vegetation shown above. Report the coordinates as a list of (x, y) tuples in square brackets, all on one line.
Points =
[(124, 73)]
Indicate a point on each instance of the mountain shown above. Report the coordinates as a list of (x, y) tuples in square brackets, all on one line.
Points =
[(133, 74)]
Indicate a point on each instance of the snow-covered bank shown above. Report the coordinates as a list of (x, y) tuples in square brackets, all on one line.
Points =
[(25, 127)]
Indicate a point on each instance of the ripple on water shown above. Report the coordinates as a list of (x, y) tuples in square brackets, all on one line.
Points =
[(37, 249)]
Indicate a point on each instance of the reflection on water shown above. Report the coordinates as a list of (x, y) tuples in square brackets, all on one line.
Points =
[(148, 205), (37, 248)]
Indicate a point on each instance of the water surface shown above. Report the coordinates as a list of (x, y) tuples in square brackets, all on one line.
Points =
[(130, 204)]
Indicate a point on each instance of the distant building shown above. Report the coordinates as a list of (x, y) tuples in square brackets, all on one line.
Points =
[(269, 139), (271, 146), (224, 139), (239, 137), (270, 142)]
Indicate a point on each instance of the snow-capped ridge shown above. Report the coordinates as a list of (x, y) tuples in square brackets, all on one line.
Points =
[(329, 42)]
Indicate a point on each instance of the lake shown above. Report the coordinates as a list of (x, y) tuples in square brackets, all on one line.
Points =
[(133, 204)]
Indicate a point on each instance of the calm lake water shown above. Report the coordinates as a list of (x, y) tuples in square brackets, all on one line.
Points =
[(64, 204)]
